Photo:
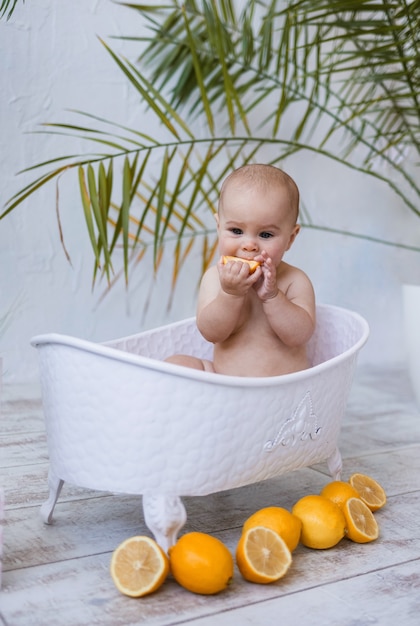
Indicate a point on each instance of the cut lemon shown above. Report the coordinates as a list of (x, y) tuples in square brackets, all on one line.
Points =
[(252, 264), (323, 522), (362, 526), (369, 491), (339, 492), (280, 520), (262, 555), (139, 566)]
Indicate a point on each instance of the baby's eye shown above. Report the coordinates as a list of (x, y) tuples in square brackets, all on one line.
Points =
[(265, 235), (236, 231)]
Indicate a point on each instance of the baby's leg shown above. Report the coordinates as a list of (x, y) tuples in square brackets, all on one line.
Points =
[(191, 361)]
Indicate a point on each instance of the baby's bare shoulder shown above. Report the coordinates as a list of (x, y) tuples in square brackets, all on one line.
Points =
[(210, 277), (297, 286), (209, 285), (291, 273)]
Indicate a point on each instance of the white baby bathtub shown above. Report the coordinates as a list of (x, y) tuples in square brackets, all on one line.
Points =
[(120, 419)]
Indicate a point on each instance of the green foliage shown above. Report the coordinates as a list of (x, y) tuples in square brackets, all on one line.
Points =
[(229, 83), (7, 7)]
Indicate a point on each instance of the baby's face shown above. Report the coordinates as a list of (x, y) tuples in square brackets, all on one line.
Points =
[(250, 221)]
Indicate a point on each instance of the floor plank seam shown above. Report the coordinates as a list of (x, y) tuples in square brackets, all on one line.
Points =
[(71, 559), (64, 500), (9, 467)]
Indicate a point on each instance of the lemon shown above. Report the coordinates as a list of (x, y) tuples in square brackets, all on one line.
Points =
[(339, 492), (323, 522), (287, 525), (201, 563)]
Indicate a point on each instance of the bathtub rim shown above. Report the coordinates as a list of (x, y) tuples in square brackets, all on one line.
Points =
[(116, 354)]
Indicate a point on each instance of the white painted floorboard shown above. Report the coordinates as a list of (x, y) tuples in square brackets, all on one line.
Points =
[(59, 574)]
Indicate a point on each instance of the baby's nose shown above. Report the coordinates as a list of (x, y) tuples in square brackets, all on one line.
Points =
[(250, 244)]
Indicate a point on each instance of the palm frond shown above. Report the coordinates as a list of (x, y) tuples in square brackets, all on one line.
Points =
[(7, 7), (228, 86)]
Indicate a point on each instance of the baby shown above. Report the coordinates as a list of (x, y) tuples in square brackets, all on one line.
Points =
[(259, 322)]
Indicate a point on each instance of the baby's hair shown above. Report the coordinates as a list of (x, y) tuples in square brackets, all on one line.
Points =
[(264, 176)]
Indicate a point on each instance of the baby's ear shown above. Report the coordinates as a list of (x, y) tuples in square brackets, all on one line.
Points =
[(293, 235)]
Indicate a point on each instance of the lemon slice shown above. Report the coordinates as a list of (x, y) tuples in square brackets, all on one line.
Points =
[(362, 526), (262, 556), (369, 490), (252, 264), (139, 566)]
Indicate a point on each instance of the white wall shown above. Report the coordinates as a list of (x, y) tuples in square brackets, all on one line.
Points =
[(51, 60)]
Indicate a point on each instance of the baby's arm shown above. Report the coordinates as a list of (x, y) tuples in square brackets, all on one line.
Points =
[(289, 305), (221, 299)]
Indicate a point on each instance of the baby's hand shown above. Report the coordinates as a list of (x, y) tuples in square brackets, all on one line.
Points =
[(266, 287), (235, 278)]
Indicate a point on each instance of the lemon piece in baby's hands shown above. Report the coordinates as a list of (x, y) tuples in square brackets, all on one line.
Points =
[(252, 264)]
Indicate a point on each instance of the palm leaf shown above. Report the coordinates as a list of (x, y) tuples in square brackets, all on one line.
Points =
[(7, 7), (337, 78)]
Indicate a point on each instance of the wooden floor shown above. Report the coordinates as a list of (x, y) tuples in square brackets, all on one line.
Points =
[(59, 575)]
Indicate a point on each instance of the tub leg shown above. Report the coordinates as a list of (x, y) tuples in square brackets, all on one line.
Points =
[(47, 509), (335, 464), (164, 516)]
